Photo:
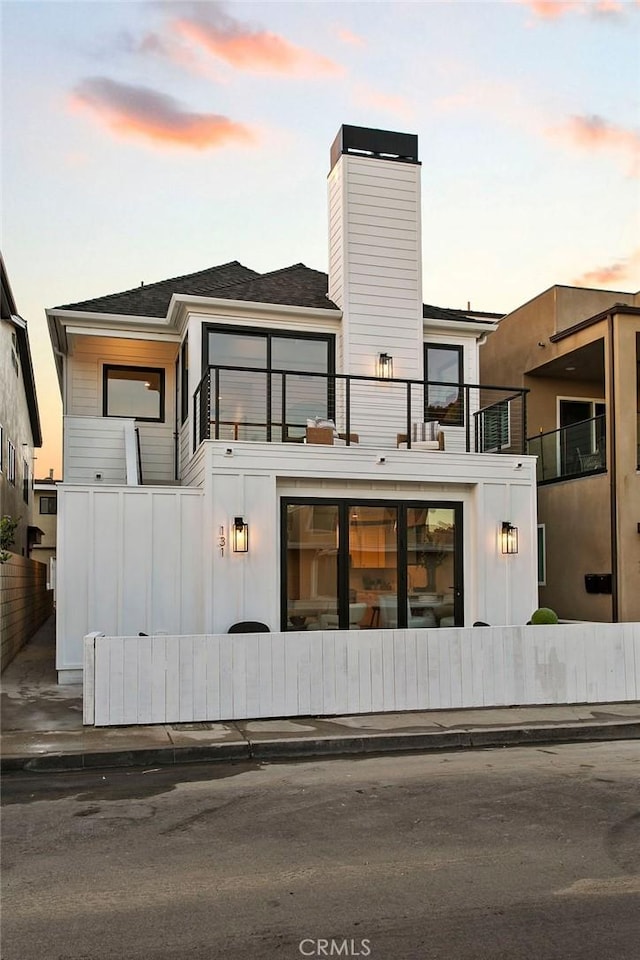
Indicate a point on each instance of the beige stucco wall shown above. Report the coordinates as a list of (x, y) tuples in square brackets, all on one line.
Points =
[(16, 427), (626, 339), (577, 529)]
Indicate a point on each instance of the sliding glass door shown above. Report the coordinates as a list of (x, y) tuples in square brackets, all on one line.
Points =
[(371, 564)]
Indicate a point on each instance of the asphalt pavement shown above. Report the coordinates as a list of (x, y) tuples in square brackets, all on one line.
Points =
[(523, 854), (42, 727)]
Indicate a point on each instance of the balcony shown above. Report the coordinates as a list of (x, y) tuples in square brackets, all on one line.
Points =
[(578, 450), (243, 403)]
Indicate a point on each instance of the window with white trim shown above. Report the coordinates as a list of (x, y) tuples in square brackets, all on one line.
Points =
[(11, 463), (542, 555), (494, 431)]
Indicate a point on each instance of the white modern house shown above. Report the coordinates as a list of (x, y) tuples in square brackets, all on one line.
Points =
[(312, 452)]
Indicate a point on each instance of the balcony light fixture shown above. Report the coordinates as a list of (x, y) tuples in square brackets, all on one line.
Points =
[(240, 537), (508, 537), (385, 366)]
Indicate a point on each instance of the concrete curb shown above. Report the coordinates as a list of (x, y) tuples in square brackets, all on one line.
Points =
[(335, 746)]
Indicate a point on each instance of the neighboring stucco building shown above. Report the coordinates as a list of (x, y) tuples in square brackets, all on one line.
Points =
[(307, 450), (19, 421), (577, 351)]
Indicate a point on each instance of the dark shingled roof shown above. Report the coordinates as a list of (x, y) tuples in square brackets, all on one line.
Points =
[(297, 286), (430, 312), (152, 300)]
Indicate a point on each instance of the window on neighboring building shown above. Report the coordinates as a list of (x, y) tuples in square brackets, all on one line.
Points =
[(25, 481), (48, 505), (14, 353), (542, 555), (443, 398), (11, 463), (133, 392), (1, 450), (492, 425)]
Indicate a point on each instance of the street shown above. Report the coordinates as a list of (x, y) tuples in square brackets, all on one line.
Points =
[(509, 853)]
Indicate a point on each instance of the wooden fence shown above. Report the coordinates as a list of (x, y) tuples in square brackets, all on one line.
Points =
[(25, 603), (171, 679)]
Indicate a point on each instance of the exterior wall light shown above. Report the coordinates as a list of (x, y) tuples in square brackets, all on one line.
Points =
[(385, 366), (509, 537), (240, 537)]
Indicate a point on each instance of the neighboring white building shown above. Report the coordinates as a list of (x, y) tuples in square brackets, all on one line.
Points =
[(201, 409)]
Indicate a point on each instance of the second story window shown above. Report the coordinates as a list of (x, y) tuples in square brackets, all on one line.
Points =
[(136, 392), (48, 505), (25, 481), (11, 463), (184, 381), (443, 366)]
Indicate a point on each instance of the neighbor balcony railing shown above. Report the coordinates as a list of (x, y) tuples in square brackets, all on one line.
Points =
[(574, 451), (242, 403)]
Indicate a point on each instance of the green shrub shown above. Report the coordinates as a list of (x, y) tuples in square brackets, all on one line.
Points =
[(7, 536), (544, 615)]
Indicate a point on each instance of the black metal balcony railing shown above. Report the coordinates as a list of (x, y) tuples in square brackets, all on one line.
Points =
[(574, 451), (242, 403)]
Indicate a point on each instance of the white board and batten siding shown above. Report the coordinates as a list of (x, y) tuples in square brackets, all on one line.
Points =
[(182, 679), (85, 395), (132, 559)]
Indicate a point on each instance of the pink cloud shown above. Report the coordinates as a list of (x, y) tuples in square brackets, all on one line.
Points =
[(615, 273), (555, 9), (366, 96), (347, 36), (141, 113), (595, 133), (249, 48)]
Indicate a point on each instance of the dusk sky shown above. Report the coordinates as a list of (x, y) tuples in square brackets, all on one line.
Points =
[(147, 140)]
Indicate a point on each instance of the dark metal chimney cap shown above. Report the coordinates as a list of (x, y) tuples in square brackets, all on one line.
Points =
[(380, 144)]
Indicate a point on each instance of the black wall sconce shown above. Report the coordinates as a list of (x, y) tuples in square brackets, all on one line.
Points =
[(508, 537), (385, 366), (240, 538)]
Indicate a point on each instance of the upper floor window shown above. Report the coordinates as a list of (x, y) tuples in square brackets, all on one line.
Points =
[(25, 481), (283, 379), (48, 505), (133, 392), (184, 381), (14, 353), (443, 398), (11, 463), (1, 450)]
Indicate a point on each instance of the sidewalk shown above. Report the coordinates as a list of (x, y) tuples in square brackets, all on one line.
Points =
[(42, 727)]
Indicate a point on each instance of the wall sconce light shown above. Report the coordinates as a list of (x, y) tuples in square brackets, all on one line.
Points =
[(240, 535), (385, 366), (509, 537)]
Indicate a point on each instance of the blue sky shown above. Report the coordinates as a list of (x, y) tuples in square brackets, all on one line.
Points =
[(147, 140)]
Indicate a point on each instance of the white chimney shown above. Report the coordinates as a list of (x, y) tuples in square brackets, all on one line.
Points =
[(375, 250)]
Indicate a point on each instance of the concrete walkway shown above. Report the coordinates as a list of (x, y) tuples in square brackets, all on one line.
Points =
[(42, 727)]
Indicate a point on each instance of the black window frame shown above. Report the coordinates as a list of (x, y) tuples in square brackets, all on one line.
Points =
[(49, 499), (11, 463), (184, 380), (431, 413), (269, 333), (25, 481), (402, 506), (138, 369)]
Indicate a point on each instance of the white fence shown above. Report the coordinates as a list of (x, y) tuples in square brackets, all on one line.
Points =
[(178, 679)]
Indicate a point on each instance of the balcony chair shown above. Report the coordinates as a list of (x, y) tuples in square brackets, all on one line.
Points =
[(590, 461), (424, 436), (321, 430)]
